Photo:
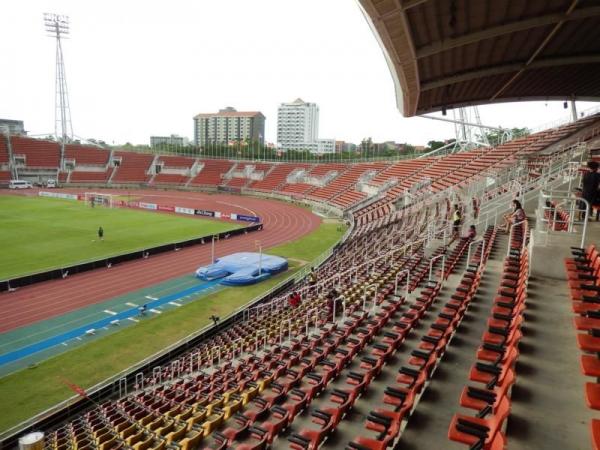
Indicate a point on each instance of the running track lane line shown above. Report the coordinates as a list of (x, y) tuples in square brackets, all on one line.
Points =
[(283, 223), (82, 330)]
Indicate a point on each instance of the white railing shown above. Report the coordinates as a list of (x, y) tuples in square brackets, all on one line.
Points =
[(568, 118), (492, 210), (562, 207)]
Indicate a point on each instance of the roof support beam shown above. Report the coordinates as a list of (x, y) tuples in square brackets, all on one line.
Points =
[(537, 51), (401, 6), (513, 27), (507, 68)]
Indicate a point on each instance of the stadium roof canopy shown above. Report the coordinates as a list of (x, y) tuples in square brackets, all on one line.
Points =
[(451, 53)]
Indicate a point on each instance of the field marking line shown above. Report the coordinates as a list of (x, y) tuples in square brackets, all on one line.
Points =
[(149, 297), (131, 304), (156, 311), (46, 330), (108, 311), (132, 319), (237, 206), (78, 338), (65, 344), (174, 303)]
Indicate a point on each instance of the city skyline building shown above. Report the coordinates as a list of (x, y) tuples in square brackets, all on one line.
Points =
[(229, 125)]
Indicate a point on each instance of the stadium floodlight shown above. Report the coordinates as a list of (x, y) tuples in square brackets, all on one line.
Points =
[(57, 26)]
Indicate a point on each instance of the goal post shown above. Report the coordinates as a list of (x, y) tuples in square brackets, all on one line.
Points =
[(94, 199)]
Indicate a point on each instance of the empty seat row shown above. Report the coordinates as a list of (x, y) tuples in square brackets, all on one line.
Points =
[(583, 272), (493, 373)]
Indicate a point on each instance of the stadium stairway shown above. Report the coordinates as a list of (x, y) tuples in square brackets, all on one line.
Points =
[(549, 400), (424, 349), (145, 420), (427, 426)]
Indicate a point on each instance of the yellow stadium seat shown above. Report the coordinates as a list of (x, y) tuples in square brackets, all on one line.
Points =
[(100, 432), (128, 431), (214, 404), (122, 426), (146, 420), (184, 415), (177, 434), (249, 394), (166, 429), (144, 445), (191, 442), (108, 444), (212, 422), (159, 445), (135, 438), (197, 417), (231, 408)]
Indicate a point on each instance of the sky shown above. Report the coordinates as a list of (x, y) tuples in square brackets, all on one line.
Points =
[(136, 69)]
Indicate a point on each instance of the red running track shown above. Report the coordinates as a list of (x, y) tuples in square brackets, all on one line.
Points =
[(282, 223)]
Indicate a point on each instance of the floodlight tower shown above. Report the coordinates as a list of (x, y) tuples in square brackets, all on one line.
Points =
[(57, 27), (468, 129)]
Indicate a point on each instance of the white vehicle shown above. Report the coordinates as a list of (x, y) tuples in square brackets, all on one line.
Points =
[(51, 183), (19, 184)]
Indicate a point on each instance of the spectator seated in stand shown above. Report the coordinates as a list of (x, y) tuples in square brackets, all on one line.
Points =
[(294, 299), (517, 216), (472, 233)]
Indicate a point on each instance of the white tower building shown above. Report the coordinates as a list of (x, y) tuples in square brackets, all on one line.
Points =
[(298, 125)]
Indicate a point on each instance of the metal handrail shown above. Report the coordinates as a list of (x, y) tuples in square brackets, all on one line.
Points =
[(482, 250), (564, 197), (296, 276), (523, 244), (435, 258), (407, 282)]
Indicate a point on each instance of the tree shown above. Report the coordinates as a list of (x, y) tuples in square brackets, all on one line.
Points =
[(408, 148), (366, 144), (434, 145), (496, 137)]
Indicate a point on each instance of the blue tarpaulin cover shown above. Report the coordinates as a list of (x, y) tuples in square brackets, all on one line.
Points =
[(242, 268)]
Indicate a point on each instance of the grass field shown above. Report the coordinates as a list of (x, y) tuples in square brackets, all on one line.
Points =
[(43, 233), (33, 390)]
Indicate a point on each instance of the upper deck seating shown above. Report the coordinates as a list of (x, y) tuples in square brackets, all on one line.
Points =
[(87, 155), (3, 150), (276, 177), (176, 162), (38, 153), (212, 172), (134, 167)]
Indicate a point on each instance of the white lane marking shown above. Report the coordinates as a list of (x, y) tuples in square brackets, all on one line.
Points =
[(131, 304), (65, 344), (175, 304), (156, 311), (132, 319), (238, 206), (108, 311), (151, 298)]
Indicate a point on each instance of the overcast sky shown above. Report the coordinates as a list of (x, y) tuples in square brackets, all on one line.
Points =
[(136, 69)]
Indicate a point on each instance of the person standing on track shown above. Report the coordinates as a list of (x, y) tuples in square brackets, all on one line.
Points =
[(101, 233)]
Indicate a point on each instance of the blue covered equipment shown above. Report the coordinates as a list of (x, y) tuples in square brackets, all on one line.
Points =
[(242, 268)]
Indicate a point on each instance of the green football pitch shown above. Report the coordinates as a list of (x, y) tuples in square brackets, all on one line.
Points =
[(37, 234)]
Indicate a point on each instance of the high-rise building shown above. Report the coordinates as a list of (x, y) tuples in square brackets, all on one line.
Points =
[(175, 140), (229, 125), (298, 128), (12, 126), (297, 124)]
